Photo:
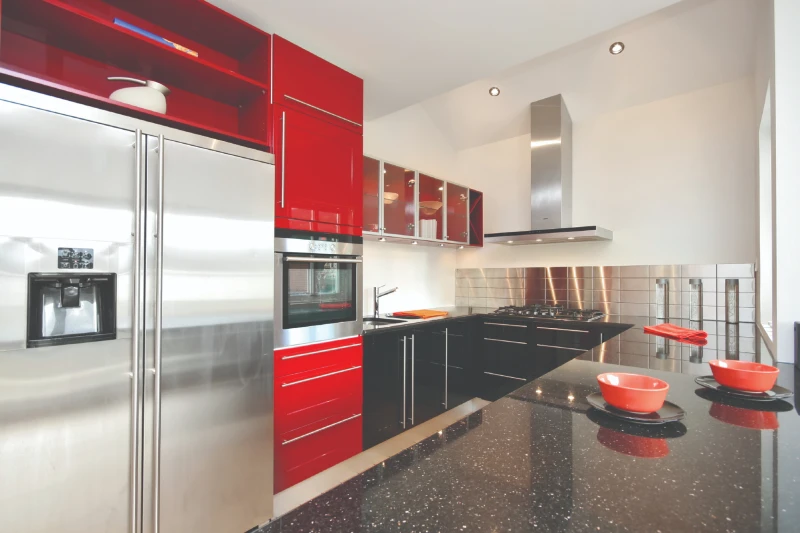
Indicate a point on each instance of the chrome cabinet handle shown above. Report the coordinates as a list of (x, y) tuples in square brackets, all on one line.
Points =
[(292, 98), (562, 348), (329, 374), (283, 158), (329, 426), (504, 376), (413, 379), (502, 340), (562, 329), (509, 325), (138, 235), (158, 337), (296, 259), (318, 351), (446, 368), (404, 381)]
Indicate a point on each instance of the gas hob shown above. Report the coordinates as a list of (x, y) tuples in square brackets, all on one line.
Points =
[(550, 311)]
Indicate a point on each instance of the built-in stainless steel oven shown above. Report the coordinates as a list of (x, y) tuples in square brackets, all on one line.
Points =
[(318, 293)]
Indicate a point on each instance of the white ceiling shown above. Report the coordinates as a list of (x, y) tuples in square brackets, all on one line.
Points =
[(410, 50), (686, 47)]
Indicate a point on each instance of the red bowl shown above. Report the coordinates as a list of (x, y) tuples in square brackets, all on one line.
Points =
[(744, 375), (633, 445), (633, 392), (746, 418)]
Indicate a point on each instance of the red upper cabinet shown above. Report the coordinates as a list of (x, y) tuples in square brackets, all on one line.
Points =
[(318, 167), (309, 83)]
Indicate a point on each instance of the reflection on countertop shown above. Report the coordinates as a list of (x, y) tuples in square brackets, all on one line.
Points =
[(540, 459)]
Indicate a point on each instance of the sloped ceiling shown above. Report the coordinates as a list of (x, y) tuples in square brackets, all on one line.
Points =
[(411, 50)]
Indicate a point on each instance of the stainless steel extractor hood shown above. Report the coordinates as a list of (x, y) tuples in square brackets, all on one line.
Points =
[(551, 182)]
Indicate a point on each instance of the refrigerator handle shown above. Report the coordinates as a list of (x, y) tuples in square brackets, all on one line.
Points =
[(136, 326), (446, 368), (159, 275)]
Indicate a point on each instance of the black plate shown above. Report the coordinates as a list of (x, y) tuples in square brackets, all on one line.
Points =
[(668, 413), (777, 392)]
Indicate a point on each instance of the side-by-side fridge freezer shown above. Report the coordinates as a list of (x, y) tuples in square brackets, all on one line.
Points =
[(136, 327)]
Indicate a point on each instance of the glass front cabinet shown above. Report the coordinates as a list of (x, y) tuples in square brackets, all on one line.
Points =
[(409, 206)]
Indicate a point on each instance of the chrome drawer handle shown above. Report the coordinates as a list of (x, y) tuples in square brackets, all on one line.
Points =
[(319, 377), (329, 426), (562, 329), (509, 325), (501, 340), (562, 348), (504, 376), (319, 351), (321, 110), (298, 259)]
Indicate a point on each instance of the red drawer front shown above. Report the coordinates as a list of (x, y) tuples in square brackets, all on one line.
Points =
[(318, 170), (317, 447), (304, 81), (342, 353), (305, 398)]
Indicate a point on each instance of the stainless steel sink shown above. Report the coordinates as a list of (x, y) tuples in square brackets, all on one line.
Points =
[(372, 321)]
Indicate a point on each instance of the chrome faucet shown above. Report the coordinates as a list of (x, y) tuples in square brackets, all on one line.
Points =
[(379, 295)]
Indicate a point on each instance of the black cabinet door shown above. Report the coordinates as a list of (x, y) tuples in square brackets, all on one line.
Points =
[(460, 363), (426, 349), (384, 395)]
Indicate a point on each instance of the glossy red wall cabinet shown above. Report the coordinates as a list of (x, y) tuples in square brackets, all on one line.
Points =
[(317, 132), (318, 407)]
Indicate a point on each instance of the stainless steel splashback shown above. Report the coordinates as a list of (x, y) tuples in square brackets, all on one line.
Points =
[(551, 164)]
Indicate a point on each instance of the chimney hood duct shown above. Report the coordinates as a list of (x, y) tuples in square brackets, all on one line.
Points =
[(551, 182)]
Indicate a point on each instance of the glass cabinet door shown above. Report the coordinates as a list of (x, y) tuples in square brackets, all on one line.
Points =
[(431, 212), (398, 200), (457, 213), (372, 185)]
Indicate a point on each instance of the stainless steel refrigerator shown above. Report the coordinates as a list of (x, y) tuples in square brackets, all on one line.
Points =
[(136, 327)]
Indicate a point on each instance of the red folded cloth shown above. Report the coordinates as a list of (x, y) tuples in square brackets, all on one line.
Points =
[(671, 331)]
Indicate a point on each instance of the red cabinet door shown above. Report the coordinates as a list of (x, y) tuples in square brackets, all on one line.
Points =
[(318, 166), (309, 83)]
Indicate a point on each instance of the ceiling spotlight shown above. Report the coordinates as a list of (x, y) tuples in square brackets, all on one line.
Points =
[(415, 242), (441, 188), (570, 238), (382, 239), (538, 240), (461, 247), (616, 48), (510, 242), (441, 245), (494, 91)]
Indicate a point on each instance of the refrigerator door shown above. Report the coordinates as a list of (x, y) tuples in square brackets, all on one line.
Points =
[(66, 439), (210, 455)]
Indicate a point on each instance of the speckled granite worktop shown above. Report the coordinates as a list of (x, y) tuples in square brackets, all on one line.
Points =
[(540, 461)]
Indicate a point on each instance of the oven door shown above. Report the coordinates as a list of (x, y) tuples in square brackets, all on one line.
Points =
[(319, 298)]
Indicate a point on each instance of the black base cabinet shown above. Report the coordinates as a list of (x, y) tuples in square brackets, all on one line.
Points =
[(414, 374)]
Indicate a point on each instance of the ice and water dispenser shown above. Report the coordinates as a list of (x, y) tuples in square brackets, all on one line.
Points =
[(70, 308)]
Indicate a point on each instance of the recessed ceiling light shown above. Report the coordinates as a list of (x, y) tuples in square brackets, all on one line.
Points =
[(538, 240), (415, 242), (570, 238), (494, 91), (510, 242), (441, 245), (441, 188), (616, 48), (461, 247), (382, 239)]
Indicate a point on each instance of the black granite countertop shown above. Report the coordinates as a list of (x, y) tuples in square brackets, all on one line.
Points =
[(540, 459)]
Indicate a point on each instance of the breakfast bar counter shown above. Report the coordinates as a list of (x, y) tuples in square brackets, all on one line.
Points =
[(540, 459)]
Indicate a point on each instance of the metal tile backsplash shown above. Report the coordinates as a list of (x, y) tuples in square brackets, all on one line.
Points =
[(616, 290)]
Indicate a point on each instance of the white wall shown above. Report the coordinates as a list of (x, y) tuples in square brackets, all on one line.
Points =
[(674, 179), (425, 276), (787, 172)]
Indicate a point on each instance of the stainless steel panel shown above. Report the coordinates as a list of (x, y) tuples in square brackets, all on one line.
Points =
[(634, 272), (217, 367), (462, 292), (605, 272), (65, 411), (303, 246), (746, 300), (634, 297), (478, 302), (665, 271), (461, 282), (698, 271), (709, 285), (551, 164), (638, 348), (504, 272), (505, 283), (478, 292), (736, 271), (505, 293), (581, 272), (634, 309), (746, 314), (637, 284), (609, 308), (462, 301)]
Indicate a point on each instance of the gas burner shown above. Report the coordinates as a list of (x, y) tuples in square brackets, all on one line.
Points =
[(556, 312)]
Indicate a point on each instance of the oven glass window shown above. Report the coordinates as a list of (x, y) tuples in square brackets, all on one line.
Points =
[(318, 293)]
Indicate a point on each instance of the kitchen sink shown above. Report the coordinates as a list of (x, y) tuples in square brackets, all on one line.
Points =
[(381, 321)]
